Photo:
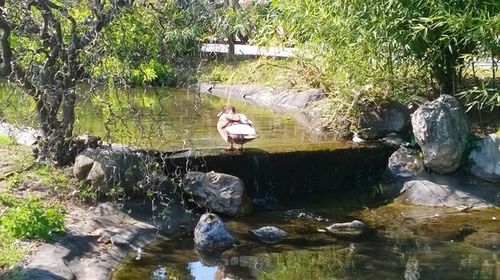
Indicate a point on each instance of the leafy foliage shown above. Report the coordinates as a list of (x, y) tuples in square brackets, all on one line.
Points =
[(370, 52), (144, 44), (32, 219)]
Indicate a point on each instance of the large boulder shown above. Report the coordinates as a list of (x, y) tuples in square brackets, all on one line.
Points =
[(211, 234), (486, 159), (221, 193), (377, 122), (105, 169), (442, 132)]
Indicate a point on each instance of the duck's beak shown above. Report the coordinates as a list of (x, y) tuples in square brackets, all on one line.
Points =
[(219, 114)]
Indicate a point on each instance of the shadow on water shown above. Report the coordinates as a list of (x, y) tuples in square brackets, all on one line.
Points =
[(395, 247)]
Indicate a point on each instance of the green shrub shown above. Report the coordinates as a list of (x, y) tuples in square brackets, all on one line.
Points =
[(32, 219)]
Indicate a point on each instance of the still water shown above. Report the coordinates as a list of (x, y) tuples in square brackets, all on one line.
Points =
[(163, 119), (404, 243)]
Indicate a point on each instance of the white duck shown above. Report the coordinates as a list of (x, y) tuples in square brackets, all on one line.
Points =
[(235, 128)]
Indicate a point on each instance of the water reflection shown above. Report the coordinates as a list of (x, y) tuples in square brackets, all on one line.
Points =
[(309, 254), (397, 246), (161, 118)]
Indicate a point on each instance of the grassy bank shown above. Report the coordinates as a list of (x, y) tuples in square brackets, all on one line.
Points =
[(31, 204), (264, 71)]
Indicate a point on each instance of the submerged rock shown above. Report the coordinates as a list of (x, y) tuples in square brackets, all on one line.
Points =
[(486, 240), (446, 193), (219, 192), (350, 229), (211, 234), (486, 159), (269, 234), (442, 132)]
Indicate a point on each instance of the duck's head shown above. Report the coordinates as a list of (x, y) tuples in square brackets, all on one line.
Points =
[(227, 109)]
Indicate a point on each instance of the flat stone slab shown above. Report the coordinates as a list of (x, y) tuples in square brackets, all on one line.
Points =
[(94, 244), (449, 191)]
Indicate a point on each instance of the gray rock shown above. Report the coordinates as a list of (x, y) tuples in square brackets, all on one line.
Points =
[(269, 234), (279, 99), (486, 159), (50, 264), (80, 255), (377, 122), (442, 132), (350, 229), (219, 192), (105, 169), (405, 162), (428, 193), (211, 234)]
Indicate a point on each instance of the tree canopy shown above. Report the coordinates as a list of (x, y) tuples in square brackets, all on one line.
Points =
[(356, 51)]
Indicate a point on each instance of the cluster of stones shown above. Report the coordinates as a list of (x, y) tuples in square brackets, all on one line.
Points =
[(441, 130), (446, 147)]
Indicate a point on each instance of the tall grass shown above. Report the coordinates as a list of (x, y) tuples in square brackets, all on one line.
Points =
[(369, 52)]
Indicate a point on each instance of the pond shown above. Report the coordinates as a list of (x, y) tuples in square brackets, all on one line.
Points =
[(399, 246), (163, 119)]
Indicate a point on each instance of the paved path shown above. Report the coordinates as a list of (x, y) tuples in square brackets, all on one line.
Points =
[(284, 52), (252, 50)]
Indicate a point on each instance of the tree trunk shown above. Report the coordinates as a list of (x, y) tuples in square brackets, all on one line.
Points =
[(51, 82), (6, 68), (445, 73)]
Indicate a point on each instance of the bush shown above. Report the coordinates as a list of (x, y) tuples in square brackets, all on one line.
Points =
[(32, 219)]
